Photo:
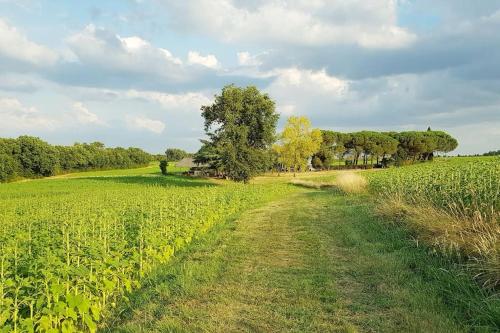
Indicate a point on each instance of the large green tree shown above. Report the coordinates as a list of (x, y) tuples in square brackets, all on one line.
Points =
[(241, 126)]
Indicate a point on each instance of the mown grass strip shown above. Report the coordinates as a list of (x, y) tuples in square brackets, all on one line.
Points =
[(313, 262)]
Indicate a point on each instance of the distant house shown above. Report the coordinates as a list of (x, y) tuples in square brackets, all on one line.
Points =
[(186, 162), (195, 169)]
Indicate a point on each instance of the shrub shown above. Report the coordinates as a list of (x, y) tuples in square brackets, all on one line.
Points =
[(163, 166)]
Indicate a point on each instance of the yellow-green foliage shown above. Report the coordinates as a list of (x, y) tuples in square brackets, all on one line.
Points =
[(70, 249), (297, 143)]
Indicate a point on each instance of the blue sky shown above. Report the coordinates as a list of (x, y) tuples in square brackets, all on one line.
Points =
[(135, 73)]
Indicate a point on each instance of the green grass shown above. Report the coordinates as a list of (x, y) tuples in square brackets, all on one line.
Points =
[(152, 169), (315, 261)]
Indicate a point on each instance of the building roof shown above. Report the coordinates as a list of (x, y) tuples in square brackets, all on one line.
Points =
[(188, 162)]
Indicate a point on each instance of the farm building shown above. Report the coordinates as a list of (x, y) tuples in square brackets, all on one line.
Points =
[(195, 169), (186, 162)]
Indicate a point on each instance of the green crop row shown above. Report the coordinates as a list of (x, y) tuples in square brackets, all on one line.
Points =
[(453, 206), (467, 188), (71, 249)]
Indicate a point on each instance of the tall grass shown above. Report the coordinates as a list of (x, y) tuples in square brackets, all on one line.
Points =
[(351, 183), (347, 182)]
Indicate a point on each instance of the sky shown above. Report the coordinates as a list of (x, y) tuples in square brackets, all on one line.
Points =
[(136, 72)]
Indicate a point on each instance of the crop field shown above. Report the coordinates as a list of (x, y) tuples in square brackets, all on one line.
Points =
[(463, 187), (452, 204), (70, 249)]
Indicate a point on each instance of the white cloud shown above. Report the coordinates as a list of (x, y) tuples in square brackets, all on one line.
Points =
[(370, 24), (168, 55), (287, 110), (100, 49), (308, 80), (13, 105), (246, 59), (84, 116), (209, 60), (14, 45), (191, 100), (144, 123), (314, 94), (17, 116), (134, 43), (137, 45)]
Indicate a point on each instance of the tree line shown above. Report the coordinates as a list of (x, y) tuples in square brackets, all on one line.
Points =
[(31, 157), (492, 153), (242, 140), (381, 148)]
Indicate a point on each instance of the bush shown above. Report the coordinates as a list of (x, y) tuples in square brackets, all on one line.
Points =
[(163, 166)]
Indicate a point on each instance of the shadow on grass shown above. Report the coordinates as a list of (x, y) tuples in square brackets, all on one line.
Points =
[(155, 180)]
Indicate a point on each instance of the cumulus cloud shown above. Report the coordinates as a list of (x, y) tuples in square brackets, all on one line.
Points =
[(19, 82), (137, 45), (209, 60), (17, 116), (308, 81), (246, 59), (15, 46), (144, 123), (190, 100), (84, 116), (98, 57), (100, 49), (310, 23)]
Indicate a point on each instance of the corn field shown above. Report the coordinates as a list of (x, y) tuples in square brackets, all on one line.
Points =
[(71, 250), (462, 187), (465, 193)]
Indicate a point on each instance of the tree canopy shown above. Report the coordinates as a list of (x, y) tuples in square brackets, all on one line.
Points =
[(400, 147), (298, 142), (29, 156), (175, 154), (241, 126)]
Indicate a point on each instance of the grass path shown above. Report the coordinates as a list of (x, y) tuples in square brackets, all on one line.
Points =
[(312, 262)]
